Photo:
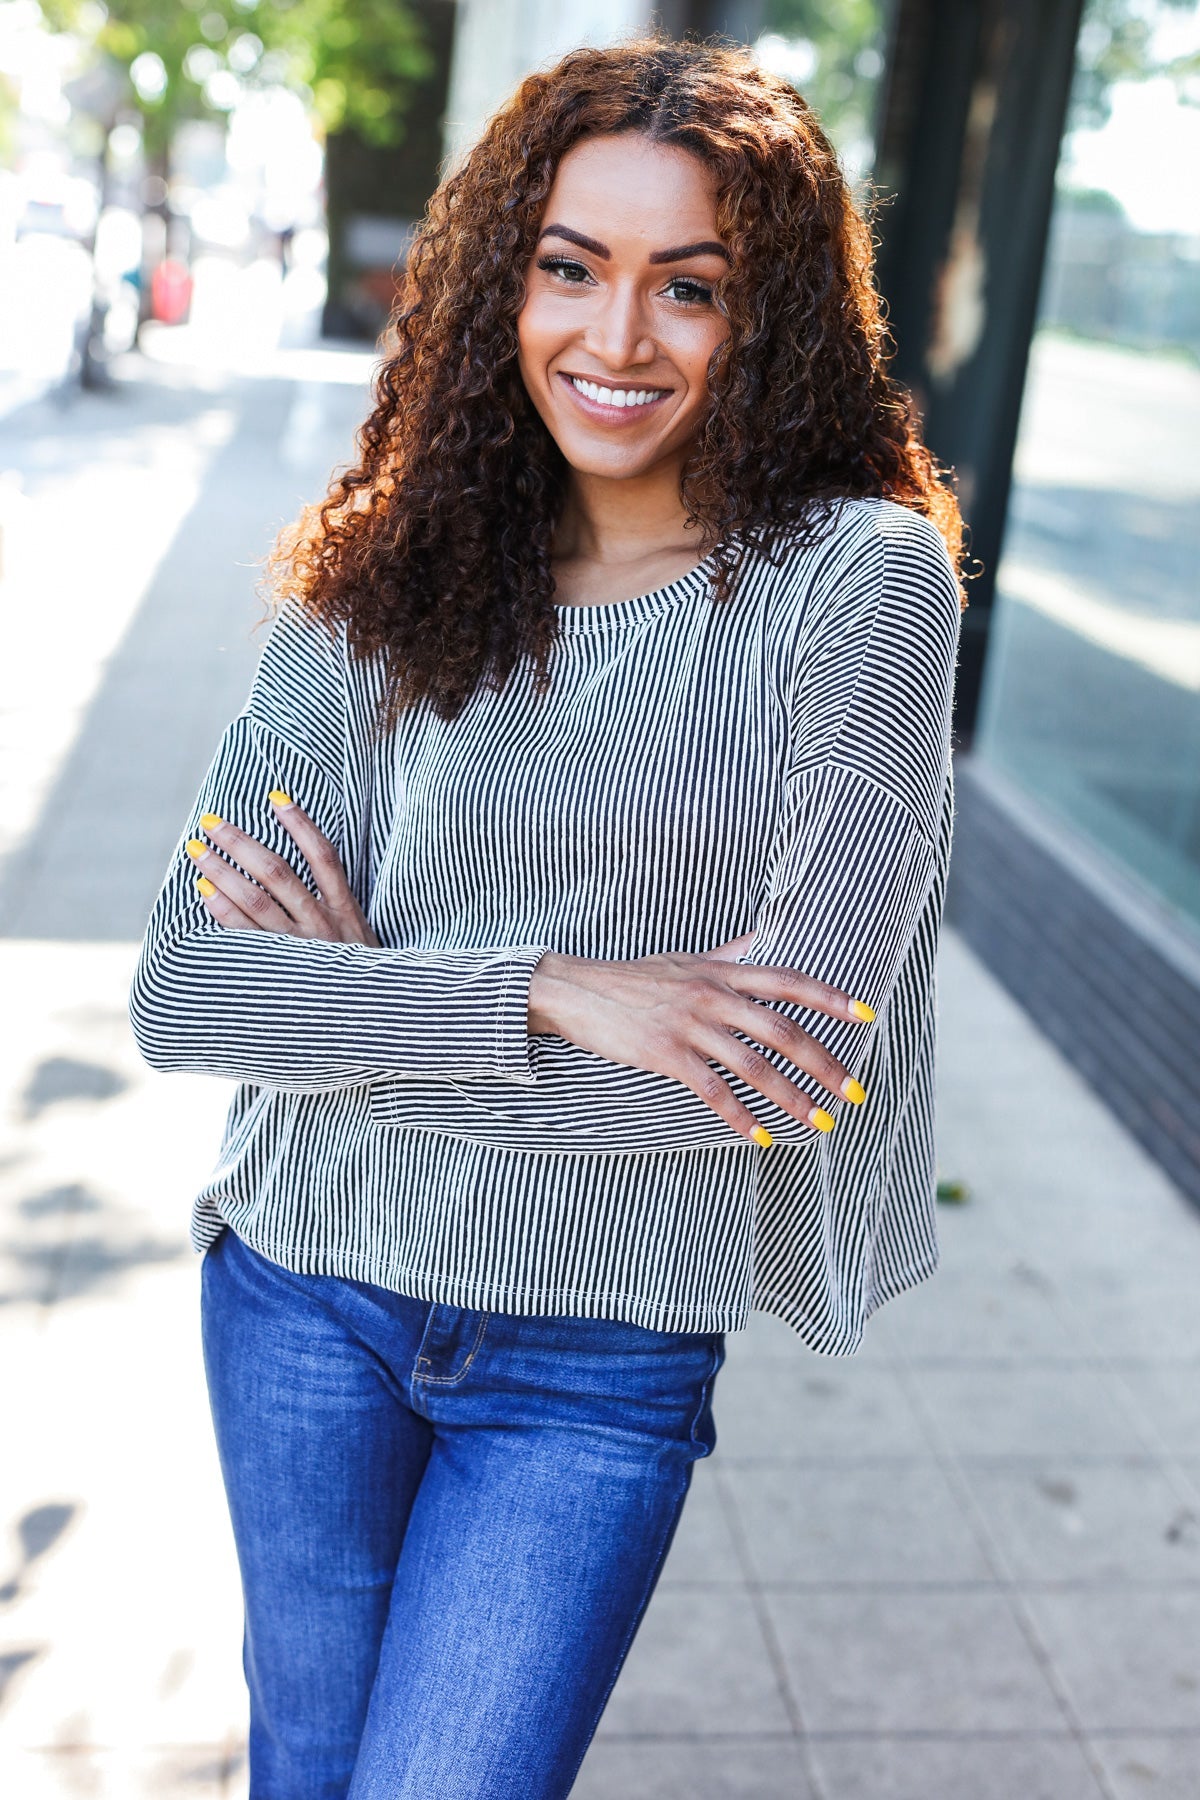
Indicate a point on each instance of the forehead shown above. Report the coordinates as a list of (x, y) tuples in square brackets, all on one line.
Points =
[(632, 194)]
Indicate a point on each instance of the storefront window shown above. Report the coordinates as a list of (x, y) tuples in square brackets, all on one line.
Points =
[(1092, 697)]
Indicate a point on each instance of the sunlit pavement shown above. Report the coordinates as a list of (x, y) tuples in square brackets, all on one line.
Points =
[(963, 1565)]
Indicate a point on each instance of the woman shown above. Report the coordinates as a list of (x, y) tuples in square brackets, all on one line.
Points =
[(583, 838)]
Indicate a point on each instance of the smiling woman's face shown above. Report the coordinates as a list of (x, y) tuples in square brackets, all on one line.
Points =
[(619, 322)]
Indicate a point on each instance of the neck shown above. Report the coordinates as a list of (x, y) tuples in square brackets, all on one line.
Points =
[(615, 522)]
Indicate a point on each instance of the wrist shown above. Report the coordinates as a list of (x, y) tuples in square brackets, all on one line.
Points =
[(545, 988)]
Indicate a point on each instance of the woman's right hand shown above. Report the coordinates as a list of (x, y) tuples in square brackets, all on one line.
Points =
[(676, 1015)]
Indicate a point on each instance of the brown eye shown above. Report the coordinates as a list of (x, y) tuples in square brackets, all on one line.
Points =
[(573, 273), (689, 292)]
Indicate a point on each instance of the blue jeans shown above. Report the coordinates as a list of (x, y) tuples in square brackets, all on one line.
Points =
[(449, 1524)]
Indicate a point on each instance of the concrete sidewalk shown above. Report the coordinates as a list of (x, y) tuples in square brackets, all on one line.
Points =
[(964, 1564)]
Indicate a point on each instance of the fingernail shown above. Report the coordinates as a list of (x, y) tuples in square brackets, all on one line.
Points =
[(762, 1136), (210, 821), (862, 1011), (205, 886), (854, 1090), (821, 1119), (196, 849), (277, 797)]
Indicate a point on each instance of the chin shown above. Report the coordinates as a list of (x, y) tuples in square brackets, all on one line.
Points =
[(589, 457), (615, 468)]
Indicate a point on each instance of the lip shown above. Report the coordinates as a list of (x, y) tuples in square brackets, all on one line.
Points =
[(615, 417)]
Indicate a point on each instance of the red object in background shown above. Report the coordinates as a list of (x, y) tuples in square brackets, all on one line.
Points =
[(170, 292)]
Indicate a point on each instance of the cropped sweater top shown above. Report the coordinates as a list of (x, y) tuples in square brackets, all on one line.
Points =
[(778, 762)]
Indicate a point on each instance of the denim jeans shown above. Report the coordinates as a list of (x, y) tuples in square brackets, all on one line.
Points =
[(449, 1524)]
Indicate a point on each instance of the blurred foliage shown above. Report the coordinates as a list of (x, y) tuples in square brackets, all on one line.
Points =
[(848, 39), (1116, 44), (1096, 201), (353, 61), (8, 116)]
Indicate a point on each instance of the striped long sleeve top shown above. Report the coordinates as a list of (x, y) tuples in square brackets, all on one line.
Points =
[(776, 763)]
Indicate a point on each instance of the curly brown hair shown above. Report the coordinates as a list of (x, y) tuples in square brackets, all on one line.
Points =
[(435, 547)]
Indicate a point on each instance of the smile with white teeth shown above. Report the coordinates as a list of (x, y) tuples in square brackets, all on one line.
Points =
[(620, 397)]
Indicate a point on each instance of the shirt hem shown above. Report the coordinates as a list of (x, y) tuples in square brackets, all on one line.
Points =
[(844, 1343), (634, 1309)]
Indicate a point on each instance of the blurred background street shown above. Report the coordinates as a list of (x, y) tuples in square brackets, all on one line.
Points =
[(962, 1565)]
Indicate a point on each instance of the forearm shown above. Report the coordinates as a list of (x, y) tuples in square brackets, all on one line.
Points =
[(847, 919), (301, 1013), (307, 1016)]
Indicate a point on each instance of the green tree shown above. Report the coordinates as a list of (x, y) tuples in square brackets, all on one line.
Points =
[(8, 117), (1116, 43), (846, 41), (354, 61)]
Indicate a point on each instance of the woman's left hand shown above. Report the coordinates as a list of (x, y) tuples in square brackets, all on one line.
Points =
[(276, 899)]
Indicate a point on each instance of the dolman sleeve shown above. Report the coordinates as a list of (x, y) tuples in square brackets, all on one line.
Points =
[(299, 1014)]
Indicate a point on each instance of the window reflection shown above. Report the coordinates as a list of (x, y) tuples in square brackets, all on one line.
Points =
[(1093, 687)]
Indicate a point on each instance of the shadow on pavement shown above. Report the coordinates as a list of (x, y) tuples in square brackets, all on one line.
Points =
[(89, 868)]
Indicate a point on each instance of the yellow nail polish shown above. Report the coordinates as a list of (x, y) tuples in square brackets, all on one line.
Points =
[(862, 1011), (196, 849), (821, 1119), (854, 1091), (277, 797), (210, 821), (205, 886), (762, 1136)]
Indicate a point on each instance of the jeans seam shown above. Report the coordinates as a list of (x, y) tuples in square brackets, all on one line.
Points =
[(717, 1358), (452, 1380), (715, 1366), (631, 1633)]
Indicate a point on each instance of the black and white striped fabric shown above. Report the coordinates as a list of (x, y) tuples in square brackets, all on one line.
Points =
[(780, 762)]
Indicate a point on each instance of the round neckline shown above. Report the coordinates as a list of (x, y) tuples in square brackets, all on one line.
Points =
[(611, 615)]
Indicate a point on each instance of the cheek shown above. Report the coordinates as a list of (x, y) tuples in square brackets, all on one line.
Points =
[(694, 358), (523, 351), (536, 345), (528, 342), (537, 338)]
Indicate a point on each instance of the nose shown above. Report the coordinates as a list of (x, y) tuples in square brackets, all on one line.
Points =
[(617, 332)]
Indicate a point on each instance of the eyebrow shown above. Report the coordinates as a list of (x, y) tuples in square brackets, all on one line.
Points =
[(705, 247)]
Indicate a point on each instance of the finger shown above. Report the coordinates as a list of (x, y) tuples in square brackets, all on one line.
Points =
[(253, 902), (730, 952), (316, 849), (293, 898), (340, 913), (715, 1091), (750, 1066), (768, 982), (221, 908), (762, 1025)]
